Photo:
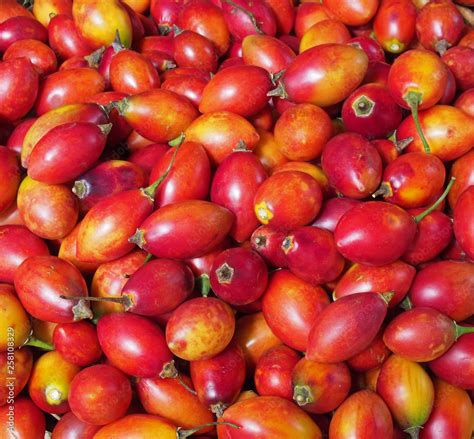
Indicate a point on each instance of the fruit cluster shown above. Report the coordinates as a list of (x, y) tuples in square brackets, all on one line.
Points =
[(242, 219)]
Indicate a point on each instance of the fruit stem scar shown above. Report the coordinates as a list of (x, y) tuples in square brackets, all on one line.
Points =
[(80, 189), (225, 273), (279, 91), (263, 213), (138, 238), (302, 395), (413, 99), (363, 106)]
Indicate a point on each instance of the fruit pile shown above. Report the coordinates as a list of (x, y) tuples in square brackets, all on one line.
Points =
[(242, 219)]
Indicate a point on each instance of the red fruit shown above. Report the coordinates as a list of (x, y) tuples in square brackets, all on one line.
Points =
[(22, 361), (241, 90), (353, 13), (15, 141), (463, 171), (352, 164), (19, 88), (41, 56), (15, 321), (318, 387), (193, 50), (189, 86), (70, 427), (332, 211), (146, 158), (455, 366), (200, 328), (267, 416), (100, 394), (371, 357), (463, 227), (183, 230), (134, 345), (67, 151), (77, 343), (40, 281), (330, 31), (312, 256), (234, 186), (267, 242), (288, 200), (362, 415), (29, 421), (158, 287), (10, 178), (20, 28), (370, 46), (273, 372), (165, 13), (445, 286), (396, 277), (346, 327), (218, 380), (239, 276), (371, 111), (465, 101), (291, 306), (460, 61)]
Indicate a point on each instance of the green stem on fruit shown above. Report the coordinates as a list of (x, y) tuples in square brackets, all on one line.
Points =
[(274, 77), (177, 30), (138, 238), (125, 300), (385, 190), (205, 284), (241, 147), (117, 44), (164, 29), (302, 395), (52, 15), (413, 99), (247, 13), (400, 145), (387, 296), (461, 330), (182, 434), (414, 432), (148, 258), (406, 304), (151, 190), (442, 46), (105, 128), (121, 105), (177, 141), (430, 209), (37, 343), (95, 57), (279, 91)]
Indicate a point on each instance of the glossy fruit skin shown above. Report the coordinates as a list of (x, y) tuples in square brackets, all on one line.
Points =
[(29, 419), (267, 52), (361, 316), (70, 427), (64, 38), (219, 380), (159, 115), (200, 328), (447, 129), (434, 234), (104, 232), (10, 178), (394, 25), (193, 50), (445, 286), (273, 372), (133, 344), (132, 73), (146, 158), (238, 276), (413, 179), (234, 186), (43, 10), (206, 19), (22, 363), (407, 390), (460, 60), (371, 357), (15, 323), (353, 13), (67, 113), (330, 31), (77, 343), (20, 28), (68, 87), (463, 221), (19, 89), (288, 200), (267, 416), (374, 233), (50, 382), (66, 152), (451, 415), (100, 394), (420, 334), (107, 179), (302, 131), (291, 306), (362, 415), (321, 387), (255, 338), (203, 264), (371, 111), (268, 151), (188, 86), (189, 177), (15, 141), (332, 211), (241, 90), (220, 133), (463, 171), (304, 249), (49, 211), (308, 14), (168, 398), (455, 366), (109, 279), (352, 164), (41, 56), (158, 287), (267, 242), (370, 46), (167, 235), (97, 22), (308, 77), (396, 277)]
